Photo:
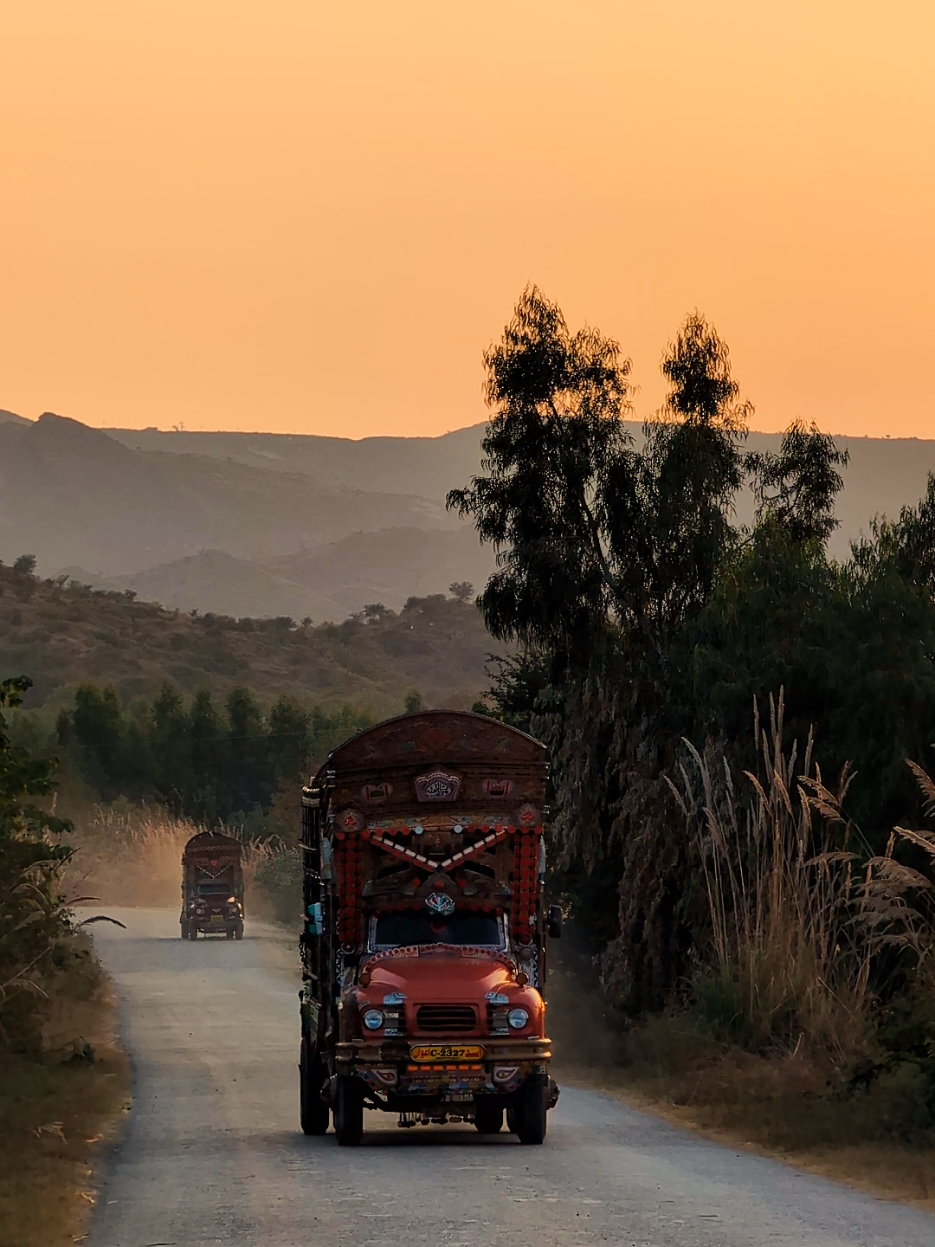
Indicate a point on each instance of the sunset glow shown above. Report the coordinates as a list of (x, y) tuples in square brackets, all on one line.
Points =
[(298, 216)]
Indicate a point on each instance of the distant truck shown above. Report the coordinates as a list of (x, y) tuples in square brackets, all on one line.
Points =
[(425, 935), (212, 886)]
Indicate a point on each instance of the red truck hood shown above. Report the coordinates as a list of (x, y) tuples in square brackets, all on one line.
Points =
[(440, 975)]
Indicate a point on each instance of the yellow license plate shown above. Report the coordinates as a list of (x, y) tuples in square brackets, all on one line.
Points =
[(217, 917), (446, 1052)]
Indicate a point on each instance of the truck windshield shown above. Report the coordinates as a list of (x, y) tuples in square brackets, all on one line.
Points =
[(399, 930)]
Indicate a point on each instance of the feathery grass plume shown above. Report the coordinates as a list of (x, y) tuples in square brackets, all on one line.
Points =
[(786, 962)]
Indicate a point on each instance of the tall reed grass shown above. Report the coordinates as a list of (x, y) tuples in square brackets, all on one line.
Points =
[(797, 914), (133, 856)]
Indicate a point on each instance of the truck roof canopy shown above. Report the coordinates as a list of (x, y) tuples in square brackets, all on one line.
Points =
[(434, 762), (212, 843), (434, 736)]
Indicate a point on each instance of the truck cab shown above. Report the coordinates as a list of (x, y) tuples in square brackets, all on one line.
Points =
[(424, 942)]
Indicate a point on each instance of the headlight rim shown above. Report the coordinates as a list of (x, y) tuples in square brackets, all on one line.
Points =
[(517, 1018), (373, 1019)]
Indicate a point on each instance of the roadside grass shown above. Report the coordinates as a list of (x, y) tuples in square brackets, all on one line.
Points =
[(807, 1030), (58, 1110), (790, 1107)]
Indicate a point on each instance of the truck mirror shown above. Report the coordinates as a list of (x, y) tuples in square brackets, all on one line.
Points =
[(553, 923)]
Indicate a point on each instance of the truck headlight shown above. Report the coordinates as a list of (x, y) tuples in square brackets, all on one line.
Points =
[(373, 1019), (517, 1018)]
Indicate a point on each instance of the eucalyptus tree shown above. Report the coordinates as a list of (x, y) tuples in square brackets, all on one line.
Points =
[(604, 550), (555, 436)]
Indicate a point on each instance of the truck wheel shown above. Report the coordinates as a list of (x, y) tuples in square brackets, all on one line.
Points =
[(312, 1109), (184, 929), (488, 1117), (229, 932), (531, 1124), (238, 931), (192, 931), (348, 1110), (513, 1119)]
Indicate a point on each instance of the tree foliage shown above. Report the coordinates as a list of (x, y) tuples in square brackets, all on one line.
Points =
[(206, 762), (645, 614), (556, 432)]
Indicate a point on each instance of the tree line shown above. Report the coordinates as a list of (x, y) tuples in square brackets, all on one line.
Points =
[(202, 760)]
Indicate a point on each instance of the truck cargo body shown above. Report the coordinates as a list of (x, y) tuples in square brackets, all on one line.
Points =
[(212, 886), (424, 941)]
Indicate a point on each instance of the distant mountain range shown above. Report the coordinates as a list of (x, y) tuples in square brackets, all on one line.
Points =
[(268, 524), (331, 582)]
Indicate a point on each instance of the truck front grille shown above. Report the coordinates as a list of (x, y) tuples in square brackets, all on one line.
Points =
[(447, 1019), (496, 1020)]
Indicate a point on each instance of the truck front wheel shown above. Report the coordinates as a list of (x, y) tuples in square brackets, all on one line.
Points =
[(530, 1113), (313, 1110), (348, 1110)]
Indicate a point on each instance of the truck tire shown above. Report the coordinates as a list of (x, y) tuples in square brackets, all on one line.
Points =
[(488, 1117), (533, 1109), (238, 931), (184, 930), (348, 1110), (192, 931), (312, 1109), (229, 932)]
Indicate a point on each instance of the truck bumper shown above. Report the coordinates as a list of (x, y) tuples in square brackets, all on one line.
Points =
[(389, 1067)]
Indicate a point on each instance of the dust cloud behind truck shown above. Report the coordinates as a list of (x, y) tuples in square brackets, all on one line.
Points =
[(424, 945), (212, 886)]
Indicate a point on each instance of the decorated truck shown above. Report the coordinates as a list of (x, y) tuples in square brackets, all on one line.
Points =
[(212, 886), (424, 943)]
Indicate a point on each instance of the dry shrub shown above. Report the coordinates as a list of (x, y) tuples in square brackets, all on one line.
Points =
[(57, 1113), (129, 855)]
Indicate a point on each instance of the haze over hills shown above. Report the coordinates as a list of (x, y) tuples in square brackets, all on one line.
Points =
[(268, 524), (330, 582), (74, 495), (425, 466), (883, 475), (10, 417)]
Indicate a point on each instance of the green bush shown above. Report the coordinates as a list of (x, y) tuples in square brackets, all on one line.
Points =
[(35, 926)]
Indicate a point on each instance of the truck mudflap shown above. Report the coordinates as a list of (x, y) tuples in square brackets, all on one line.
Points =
[(554, 1092)]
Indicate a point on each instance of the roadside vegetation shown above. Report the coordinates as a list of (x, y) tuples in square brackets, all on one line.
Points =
[(66, 634), (62, 1081), (127, 854), (740, 730)]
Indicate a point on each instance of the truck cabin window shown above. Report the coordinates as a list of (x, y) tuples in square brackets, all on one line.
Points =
[(400, 930)]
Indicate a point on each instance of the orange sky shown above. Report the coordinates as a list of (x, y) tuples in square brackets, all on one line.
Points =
[(299, 215)]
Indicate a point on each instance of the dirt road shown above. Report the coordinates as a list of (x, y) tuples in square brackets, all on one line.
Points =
[(212, 1153)]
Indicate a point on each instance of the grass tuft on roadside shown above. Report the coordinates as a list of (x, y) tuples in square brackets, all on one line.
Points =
[(793, 1106), (59, 1110)]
